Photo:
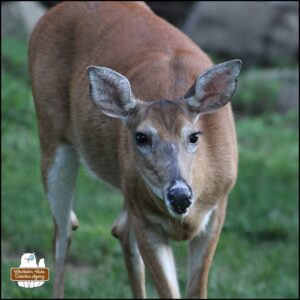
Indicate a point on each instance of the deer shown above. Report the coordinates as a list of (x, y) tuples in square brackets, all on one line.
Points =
[(129, 95)]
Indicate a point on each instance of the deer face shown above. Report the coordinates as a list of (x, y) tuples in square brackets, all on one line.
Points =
[(165, 134), (166, 140)]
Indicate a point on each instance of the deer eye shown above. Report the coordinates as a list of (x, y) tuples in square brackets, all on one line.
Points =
[(141, 139), (194, 137)]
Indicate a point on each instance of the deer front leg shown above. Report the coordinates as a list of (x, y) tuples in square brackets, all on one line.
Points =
[(59, 180), (123, 230), (158, 258), (201, 252)]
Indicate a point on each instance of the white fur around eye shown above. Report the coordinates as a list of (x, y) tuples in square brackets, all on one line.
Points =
[(185, 136), (152, 134)]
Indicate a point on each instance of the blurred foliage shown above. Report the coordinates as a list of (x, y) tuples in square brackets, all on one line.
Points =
[(258, 248), (268, 162), (14, 57), (257, 96)]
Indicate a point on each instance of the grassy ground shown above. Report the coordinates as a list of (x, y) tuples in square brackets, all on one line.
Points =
[(257, 256)]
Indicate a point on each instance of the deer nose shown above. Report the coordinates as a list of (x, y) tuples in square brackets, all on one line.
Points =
[(180, 199)]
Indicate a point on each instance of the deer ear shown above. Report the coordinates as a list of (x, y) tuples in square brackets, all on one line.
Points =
[(111, 92), (213, 88)]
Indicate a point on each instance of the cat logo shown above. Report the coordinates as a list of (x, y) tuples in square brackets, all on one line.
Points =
[(30, 274)]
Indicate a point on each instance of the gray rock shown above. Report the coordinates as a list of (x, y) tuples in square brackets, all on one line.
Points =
[(19, 18), (258, 32)]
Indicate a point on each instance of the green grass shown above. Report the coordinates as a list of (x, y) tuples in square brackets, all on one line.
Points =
[(257, 256)]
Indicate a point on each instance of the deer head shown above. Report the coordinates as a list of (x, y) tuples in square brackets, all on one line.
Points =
[(165, 134)]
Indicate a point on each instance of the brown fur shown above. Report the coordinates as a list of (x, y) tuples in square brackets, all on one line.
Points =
[(160, 63)]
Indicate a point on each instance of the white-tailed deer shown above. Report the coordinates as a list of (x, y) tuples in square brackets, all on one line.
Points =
[(135, 99)]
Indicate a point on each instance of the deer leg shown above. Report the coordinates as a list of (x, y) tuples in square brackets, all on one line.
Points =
[(122, 229), (59, 178), (201, 252), (158, 258)]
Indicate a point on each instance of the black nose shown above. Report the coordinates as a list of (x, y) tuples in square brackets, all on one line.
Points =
[(180, 199)]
